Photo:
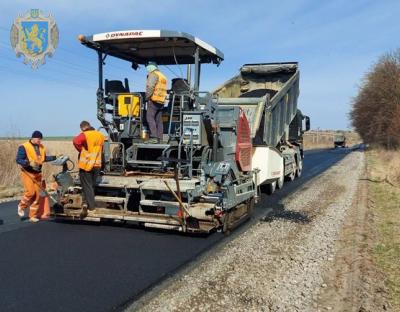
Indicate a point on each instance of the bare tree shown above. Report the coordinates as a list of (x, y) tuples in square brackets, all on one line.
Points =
[(376, 109)]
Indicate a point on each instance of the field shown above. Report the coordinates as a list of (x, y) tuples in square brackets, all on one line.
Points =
[(10, 184)]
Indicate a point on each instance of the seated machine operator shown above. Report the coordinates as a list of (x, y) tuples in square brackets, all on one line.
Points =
[(156, 92)]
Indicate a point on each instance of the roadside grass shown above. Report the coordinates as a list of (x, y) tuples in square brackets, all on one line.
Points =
[(65, 138), (9, 174), (384, 170), (10, 184)]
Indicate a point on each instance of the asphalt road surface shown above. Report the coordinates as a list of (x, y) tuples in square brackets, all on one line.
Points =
[(53, 266)]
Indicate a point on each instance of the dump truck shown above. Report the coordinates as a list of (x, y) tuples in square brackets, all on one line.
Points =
[(268, 94), (219, 149)]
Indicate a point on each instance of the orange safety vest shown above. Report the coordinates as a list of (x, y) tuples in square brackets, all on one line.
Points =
[(160, 90), (31, 153), (91, 157)]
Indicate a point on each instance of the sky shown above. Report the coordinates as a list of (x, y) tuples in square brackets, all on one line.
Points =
[(335, 42)]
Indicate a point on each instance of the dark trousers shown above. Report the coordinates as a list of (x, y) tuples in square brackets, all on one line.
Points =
[(88, 183), (154, 119)]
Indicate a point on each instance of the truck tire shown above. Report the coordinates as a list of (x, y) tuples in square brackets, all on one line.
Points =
[(270, 188), (292, 175), (280, 181), (299, 169)]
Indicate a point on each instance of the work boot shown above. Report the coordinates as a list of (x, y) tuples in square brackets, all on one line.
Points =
[(83, 213), (20, 212), (34, 219)]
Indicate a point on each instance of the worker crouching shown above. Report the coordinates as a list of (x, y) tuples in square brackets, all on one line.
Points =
[(89, 143), (30, 156)]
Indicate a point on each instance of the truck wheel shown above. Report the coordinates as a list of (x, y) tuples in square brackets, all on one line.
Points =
[(292, 175), (299, 169), (280, 181), (270, 188)]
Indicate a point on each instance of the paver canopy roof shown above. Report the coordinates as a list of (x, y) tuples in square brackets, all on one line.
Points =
[(162, 46)]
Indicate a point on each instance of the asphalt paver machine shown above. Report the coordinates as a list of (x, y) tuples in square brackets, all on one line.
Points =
[(200, 177)]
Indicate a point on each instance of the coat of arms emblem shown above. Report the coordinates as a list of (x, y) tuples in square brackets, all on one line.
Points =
[(34, 36)]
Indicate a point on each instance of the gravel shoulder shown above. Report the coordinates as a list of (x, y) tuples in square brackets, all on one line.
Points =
[(281, 263), (354, 282)]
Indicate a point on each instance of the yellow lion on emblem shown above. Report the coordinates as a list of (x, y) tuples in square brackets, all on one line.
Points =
[(34, 37)]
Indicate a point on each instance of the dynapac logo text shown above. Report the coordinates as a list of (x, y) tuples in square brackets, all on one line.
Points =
[(124, 34)]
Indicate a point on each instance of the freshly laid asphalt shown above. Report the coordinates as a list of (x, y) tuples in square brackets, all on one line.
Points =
[(60, 266)]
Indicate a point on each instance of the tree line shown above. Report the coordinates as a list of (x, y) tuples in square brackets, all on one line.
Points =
[(375, 110)]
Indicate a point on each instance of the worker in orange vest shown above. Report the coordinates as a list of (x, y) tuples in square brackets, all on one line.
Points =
[(156, 92), (30, 156), (89, 143)]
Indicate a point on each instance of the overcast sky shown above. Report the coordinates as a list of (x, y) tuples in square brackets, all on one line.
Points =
[(335, 43)]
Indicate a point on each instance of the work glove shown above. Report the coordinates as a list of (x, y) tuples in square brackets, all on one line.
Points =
[(59, 155), (35, 166)]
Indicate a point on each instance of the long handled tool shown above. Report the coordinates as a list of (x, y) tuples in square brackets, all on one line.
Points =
[(181, 205), (42, 190)]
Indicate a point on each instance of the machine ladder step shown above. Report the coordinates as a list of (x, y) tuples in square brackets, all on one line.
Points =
[(110, 199), (156, 203), (145, 162)]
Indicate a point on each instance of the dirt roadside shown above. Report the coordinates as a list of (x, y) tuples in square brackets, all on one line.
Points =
[(353, 282), (305, 257)]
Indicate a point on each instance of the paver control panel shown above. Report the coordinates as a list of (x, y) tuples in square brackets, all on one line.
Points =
[(192, 123)]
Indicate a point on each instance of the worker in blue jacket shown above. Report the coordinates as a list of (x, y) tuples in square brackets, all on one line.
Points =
[(30, 156)]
